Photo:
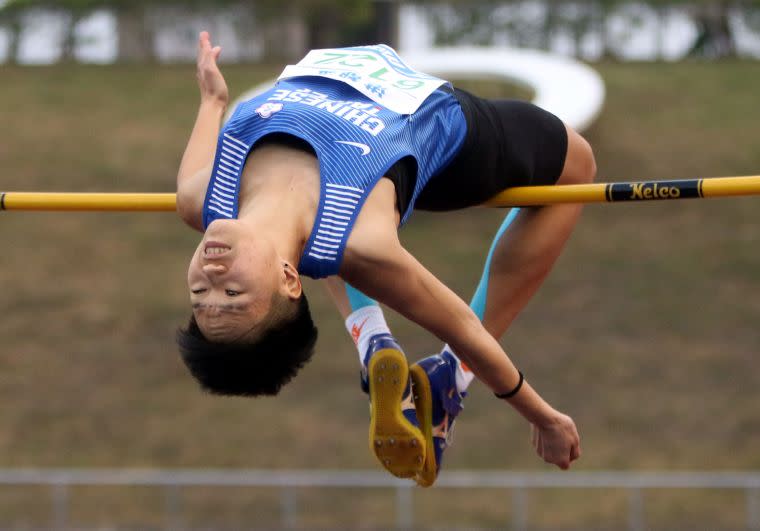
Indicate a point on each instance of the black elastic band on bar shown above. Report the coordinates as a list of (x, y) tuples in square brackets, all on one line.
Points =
[(2, 201), (514, 391)]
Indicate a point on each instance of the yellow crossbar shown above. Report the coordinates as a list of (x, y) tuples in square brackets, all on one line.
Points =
[(520, 196), (87, 201), (628, 191)]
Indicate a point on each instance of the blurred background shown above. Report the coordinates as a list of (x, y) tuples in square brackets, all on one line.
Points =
[(108, 31), (646, 332)]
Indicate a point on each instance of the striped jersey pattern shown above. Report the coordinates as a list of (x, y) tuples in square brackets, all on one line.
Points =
[(333, 220), (355, 140), (225, 182)]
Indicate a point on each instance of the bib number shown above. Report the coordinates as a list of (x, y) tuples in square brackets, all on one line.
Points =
[(375, 71)]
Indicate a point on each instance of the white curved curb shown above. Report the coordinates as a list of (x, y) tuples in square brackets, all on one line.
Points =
[(563, 86)]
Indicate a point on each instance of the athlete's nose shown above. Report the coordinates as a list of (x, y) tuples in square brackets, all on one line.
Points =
[(214, 269)]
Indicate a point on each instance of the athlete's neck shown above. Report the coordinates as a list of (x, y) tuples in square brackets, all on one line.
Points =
[(279, 196)]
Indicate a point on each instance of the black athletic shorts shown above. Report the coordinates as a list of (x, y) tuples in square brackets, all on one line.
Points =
[(508, 143)]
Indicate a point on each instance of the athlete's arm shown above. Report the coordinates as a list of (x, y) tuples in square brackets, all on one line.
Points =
[(377, 264), (195, 168)]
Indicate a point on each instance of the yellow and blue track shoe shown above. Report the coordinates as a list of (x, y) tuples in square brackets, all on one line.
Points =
[(394, 435), (437, 404)]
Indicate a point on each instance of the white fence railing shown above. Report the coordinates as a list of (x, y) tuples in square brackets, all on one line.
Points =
[(288, 481)]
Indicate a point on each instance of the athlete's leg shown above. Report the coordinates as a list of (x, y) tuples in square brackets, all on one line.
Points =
[(522, 256), (362, 315), (394, 436)]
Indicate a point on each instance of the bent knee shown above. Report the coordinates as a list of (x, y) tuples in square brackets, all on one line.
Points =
[(580, 164)]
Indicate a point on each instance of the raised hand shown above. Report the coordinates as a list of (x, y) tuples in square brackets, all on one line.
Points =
[(210, 80)]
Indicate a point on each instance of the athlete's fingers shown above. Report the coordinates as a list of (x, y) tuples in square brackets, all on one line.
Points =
[(540, 445), (554, 457), (575, 452), (203, 47), (215, 52), (204, 40)]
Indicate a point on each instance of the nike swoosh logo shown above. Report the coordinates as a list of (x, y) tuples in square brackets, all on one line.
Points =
[(356, 331), (364, 147)]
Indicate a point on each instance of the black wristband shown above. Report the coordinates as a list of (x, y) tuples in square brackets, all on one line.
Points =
[(514, 391)]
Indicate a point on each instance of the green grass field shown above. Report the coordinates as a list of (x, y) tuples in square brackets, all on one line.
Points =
[(646, 332)]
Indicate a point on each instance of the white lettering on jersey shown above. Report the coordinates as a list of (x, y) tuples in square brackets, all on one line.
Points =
[(360, 114)]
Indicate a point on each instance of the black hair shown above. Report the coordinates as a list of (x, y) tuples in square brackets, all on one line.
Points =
[(260, 367)]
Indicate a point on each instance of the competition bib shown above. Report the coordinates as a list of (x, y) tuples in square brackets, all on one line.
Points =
[(375, 71)]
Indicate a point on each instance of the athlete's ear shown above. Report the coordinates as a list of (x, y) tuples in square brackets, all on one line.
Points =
[(291, 281)]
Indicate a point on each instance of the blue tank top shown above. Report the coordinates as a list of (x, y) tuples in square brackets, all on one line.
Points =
[(356, 141)]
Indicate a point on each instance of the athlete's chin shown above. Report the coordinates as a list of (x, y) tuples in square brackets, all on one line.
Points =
[(227, 231), (219, 226)]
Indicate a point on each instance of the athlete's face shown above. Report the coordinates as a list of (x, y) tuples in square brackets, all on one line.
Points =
[(232, 278)]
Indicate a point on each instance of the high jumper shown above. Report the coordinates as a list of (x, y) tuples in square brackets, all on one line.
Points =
[(314, 177)]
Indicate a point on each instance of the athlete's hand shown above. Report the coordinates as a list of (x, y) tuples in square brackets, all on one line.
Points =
[(557, 441), (210, 79)]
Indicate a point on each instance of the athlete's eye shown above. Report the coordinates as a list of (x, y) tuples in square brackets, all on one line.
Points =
[(198, 291), (232, 292)]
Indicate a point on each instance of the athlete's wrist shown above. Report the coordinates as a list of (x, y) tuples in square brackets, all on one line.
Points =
[(531, 406), (214, 104)]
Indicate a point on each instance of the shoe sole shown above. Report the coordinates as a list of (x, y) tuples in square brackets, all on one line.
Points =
[(423, 403), (397, 443)]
